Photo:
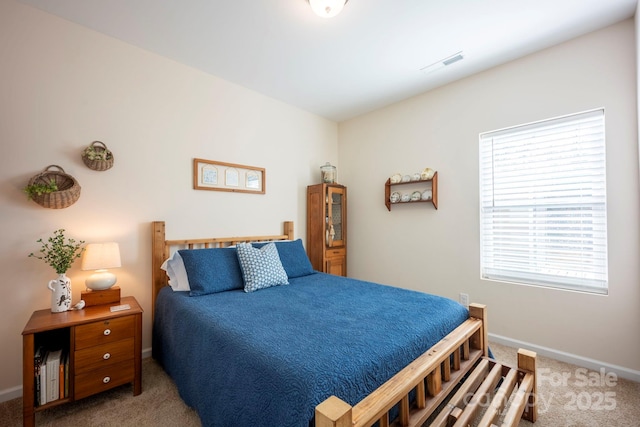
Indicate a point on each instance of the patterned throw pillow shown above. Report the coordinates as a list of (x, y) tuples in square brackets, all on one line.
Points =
[(261, 267)]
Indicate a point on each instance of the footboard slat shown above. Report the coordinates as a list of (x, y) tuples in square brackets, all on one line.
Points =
[(468, 413), (404, 411), (419, 417), (499, 400), (446, 371), (434, 382), (519, 402), (421, 396), (468, 387)]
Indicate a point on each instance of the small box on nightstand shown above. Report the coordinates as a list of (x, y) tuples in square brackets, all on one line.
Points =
[(107, 296)]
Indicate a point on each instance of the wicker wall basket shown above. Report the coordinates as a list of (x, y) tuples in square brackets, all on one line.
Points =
[(97, 156), (68, 188)]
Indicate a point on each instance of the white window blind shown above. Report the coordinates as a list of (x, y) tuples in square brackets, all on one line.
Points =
[(543, 203)]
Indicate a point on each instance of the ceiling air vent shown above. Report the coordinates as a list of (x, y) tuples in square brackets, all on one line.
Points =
[(443, 63)]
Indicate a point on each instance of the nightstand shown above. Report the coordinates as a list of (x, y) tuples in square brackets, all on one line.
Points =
[(104, 348)]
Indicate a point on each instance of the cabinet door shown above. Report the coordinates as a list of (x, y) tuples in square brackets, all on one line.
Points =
[(336, 204), (337, 266)]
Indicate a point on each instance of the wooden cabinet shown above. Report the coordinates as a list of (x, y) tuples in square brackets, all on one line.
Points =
[(327, 228), (104, 348), (412, 186)]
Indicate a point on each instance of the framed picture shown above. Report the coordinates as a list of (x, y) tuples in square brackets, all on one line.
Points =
[(221, 176)]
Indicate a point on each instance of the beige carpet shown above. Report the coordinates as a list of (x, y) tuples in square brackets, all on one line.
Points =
[(158, 405), (569, 396), (571, 402)]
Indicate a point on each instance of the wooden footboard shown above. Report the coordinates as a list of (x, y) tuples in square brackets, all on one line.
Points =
[(452, 382)]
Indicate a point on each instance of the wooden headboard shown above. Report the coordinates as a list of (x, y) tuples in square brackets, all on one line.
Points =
[(161, 249)]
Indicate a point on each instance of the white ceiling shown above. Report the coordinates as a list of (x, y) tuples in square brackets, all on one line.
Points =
[(367, 57)]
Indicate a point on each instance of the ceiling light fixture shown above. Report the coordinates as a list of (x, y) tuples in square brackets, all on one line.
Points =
[(443, 63), (327, 8)]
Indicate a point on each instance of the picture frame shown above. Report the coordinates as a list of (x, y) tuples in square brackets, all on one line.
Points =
[(213, 175)]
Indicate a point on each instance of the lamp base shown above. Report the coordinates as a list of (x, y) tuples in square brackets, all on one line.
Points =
[(107, 296), (101, 279)]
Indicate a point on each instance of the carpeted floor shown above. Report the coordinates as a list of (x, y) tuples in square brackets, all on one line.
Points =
[(158, 405), (568, 396)]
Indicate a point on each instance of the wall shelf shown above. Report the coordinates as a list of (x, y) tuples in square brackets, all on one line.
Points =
[(411, 185)]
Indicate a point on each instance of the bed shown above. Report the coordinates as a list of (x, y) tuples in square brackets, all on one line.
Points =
[(257, 338)]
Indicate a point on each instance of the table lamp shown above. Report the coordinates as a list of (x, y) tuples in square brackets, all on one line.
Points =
[(100, 257)]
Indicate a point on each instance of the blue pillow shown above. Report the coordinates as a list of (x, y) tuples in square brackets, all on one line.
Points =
[(294, 258), (261, 267), (212, 270)]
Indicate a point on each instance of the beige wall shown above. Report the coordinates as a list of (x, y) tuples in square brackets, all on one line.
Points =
[(637, 28), (63, 86), (418, 247)]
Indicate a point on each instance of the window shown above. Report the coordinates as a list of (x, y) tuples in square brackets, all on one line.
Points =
[(543, 203)]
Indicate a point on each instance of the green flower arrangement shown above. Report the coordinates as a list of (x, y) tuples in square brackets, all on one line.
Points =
[(97, 153), (36, 189), (59, 252)]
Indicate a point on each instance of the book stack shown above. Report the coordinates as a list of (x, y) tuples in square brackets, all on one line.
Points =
[(51, 375)]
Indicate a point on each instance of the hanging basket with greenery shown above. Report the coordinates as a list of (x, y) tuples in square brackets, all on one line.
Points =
[(53, 189), (97, 156)]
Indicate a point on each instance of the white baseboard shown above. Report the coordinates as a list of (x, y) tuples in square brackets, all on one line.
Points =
[(15, 392), (584, 362), (10, 393), (146, 352)]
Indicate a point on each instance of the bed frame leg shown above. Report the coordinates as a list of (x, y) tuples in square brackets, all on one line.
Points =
[(481, 341), (527, 363), (333, 412)]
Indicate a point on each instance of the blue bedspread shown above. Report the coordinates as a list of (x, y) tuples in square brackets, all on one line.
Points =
[(267, 358)]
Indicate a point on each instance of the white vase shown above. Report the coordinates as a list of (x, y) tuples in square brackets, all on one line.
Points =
[(61, 293)]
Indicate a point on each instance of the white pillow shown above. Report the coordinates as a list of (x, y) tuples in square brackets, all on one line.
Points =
[(178, 279)]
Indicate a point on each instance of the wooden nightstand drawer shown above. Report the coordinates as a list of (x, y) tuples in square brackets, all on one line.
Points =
[(103, 332), (104, 355), (103, 379)]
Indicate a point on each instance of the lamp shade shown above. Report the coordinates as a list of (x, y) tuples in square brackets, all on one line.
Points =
[(101, 256), (327, 8)]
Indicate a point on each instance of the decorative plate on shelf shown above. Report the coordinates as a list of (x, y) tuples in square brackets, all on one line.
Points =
[(427, 174), (395, 197)]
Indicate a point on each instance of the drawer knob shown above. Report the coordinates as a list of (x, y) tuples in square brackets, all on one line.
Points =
[(106, 380), (106, 356), (107, 332)]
